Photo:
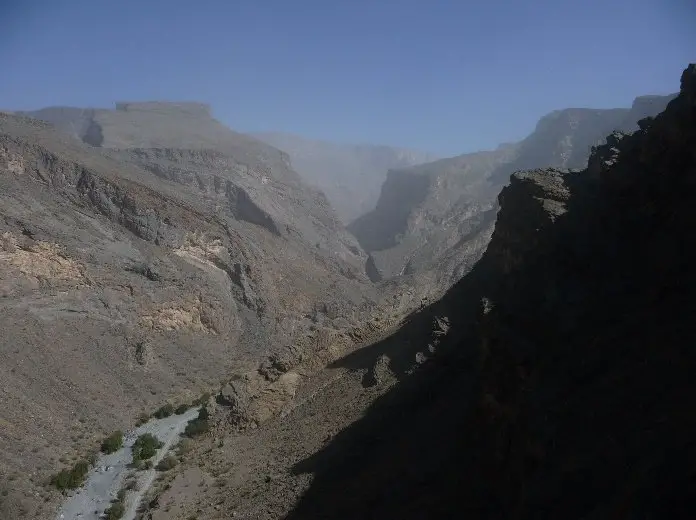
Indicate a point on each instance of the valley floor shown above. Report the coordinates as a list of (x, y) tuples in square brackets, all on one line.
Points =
[(107, 478), (262, 473)]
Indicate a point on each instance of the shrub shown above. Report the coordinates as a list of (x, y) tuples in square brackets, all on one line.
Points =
[(181, 409), (142, 419), (116, 510), (143, 464), (112, 443), (196, 427), (167, 463), (145, 447), (71, 478), (199, 425), (164, 411)]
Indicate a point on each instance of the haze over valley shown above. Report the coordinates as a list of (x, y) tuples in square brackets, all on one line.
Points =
[(214, 306)]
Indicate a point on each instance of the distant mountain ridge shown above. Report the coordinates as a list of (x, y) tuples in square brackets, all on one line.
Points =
[(157, 124), (438, 217)]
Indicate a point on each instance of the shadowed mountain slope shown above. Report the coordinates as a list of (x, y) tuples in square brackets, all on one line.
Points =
[(552, 381), (564, 387), (436, 219)]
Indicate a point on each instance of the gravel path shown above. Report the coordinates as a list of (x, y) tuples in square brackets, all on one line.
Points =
[(107, 477)]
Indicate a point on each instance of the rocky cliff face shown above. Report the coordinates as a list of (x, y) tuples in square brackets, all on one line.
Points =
[(350, 175), (435, 220), (155, 263), (425, 211), (565, 386), (183, 143)]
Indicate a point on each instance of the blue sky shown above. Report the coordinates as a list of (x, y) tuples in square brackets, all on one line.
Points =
[(447, 76)]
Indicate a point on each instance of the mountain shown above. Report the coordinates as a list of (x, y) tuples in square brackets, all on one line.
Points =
[(349, 175), (564, 386), (554, 380), (435, 219), (150, 254)]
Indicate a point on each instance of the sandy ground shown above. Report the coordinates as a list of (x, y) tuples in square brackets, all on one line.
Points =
[(107, 477)]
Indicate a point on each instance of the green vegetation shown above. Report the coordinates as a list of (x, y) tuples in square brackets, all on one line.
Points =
[(71, 478), (181, 409), (117, 508), (199, 425), (164, 411), (145, 447), (112, 443), (142, 419), (167, 463), (196, 427), (142, 464), (115, 511)]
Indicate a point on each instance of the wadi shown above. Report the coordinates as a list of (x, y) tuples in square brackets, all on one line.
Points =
[(193, 329)]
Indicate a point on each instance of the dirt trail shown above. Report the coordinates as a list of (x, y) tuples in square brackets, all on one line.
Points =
[(107, 477)]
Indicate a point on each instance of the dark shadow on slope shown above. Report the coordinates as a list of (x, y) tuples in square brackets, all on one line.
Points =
[(371, 270), (422, 329), (572, 396), (378, 229)]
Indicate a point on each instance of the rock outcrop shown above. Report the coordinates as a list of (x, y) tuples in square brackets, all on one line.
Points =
[(435, 220), (565, 384)]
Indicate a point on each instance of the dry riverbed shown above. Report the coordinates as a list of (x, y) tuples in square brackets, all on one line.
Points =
[(106, 479)]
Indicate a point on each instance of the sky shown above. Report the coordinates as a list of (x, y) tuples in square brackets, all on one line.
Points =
[(444, 76)]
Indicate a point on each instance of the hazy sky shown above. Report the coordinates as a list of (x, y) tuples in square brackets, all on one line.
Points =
[(447, 76)]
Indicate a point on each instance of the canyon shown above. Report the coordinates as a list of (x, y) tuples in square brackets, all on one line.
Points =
[(505, 335)]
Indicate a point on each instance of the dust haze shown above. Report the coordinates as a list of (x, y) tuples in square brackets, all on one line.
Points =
[(202, 323)]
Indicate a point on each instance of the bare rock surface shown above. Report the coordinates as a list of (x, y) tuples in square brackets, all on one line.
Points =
[(435, 220), (153, 264), (559, 379), (145, 261)]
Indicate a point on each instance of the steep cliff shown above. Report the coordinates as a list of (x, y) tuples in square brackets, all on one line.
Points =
[(425, 211), (436, 219), (564, 388)]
